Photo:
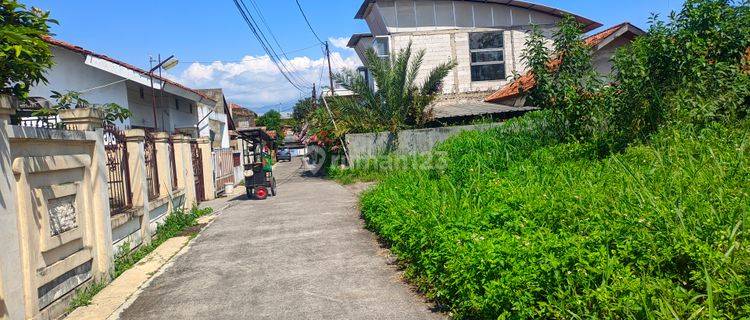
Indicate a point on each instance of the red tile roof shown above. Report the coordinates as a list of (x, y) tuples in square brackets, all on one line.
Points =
[(527, 81), (77, 49)]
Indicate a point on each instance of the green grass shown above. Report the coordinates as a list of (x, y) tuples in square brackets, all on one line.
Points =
[(172, 226), (518, 226), (84, 296)]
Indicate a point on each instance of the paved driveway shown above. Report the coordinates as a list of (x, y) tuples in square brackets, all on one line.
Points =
[(301, 255)]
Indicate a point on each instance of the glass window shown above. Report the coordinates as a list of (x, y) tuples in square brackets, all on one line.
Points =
[(501, 16), (464, 14), (444, 13), (388, 11), (381, 47), (488, 72), (487, 56), (405, 14), (483, 14), (425, 13)]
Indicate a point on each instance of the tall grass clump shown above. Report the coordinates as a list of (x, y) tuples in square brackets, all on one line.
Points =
[(517, 227), (625, 200)]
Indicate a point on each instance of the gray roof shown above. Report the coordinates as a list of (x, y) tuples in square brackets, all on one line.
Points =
[(466, 108), (356, 37), (588, 24)]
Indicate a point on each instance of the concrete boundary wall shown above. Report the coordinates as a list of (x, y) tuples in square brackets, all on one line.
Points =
[(56, 231), (368, 145)]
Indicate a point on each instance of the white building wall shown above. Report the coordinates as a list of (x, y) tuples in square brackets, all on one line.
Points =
[(70, 73)]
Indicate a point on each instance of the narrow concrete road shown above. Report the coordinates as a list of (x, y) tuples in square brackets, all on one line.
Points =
[(301, 255)]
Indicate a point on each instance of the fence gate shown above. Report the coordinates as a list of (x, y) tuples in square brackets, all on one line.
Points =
[(200, 191), (223, 168)]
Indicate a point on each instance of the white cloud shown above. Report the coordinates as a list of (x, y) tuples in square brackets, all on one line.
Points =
[(255, 81), (340, 43)]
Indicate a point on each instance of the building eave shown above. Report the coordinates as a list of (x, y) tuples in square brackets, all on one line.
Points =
[(587, 23)]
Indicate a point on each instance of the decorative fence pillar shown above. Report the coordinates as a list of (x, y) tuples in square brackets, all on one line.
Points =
[(12, 302), (85, 119), (135, 139), (93, 120), (208, 170), (53, 203), (184, 168)]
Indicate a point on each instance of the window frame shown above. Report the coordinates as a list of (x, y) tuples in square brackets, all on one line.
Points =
[(486, 63), (387, 47)]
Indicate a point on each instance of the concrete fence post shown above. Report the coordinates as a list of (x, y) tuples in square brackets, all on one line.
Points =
[(184, 165), (88, 119), (12, 302), (84, 119), (208, 168), (135, 139), (161, 141)]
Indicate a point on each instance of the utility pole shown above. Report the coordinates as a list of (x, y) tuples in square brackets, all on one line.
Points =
[(330, 70)]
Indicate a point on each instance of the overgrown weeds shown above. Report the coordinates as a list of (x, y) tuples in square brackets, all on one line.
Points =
[(519, 226)]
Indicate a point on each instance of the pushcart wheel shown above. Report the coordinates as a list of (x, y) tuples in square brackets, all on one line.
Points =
[(261, 193)]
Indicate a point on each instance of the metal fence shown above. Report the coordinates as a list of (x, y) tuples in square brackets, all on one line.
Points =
[(120, 195), (223, 168), (197, 160), (152, 172), (26, 118)]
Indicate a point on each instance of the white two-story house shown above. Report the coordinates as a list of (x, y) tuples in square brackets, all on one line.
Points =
[(485, 38)]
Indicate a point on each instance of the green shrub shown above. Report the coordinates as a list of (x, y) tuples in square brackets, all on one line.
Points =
[(688, 69), (519, 226)]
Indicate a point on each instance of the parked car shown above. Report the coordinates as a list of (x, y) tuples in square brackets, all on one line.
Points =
[(284, 154)]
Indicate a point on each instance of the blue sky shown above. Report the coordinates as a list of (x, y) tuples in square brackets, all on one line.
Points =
[(201, 32)]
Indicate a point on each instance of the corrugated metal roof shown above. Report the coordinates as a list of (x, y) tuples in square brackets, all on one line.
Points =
[(467, 108), (588, 23)]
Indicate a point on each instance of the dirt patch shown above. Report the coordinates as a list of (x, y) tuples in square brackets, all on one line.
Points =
[(192, 231)]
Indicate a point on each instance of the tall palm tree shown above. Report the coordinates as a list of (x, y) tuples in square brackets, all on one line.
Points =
[(397, 102)]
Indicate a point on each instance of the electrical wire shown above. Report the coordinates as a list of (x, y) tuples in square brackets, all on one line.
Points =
[(289, 71), (309, 25), (243, 60), (262, 19), (263, 40)]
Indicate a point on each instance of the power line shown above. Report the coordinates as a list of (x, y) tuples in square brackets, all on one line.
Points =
[(265, 44), (309, 25), (243, 60), (289, 72)]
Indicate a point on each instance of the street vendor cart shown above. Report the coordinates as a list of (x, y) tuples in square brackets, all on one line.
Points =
[(258, 168)]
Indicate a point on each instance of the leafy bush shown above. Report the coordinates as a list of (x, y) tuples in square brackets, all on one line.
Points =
[(520, 226), (24, 56), (686, 70)]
